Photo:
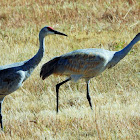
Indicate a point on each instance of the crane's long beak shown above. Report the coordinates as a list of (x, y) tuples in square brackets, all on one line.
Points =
[(59, 33)]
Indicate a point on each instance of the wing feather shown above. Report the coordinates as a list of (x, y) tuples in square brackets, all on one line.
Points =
[(79, 63)]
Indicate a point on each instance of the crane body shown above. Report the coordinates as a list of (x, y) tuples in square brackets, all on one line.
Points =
[(13, 75), (84, 63)]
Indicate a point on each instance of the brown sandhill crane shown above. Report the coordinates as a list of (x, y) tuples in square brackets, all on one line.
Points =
[(12, 76), (84, 63)]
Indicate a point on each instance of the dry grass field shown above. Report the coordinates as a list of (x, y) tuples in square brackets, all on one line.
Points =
[(29, 113)]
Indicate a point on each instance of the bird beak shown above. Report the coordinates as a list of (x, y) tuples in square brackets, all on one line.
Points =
[(59, 33)]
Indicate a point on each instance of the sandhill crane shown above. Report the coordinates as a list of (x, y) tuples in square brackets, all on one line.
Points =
[(84, 63), (12, 76)]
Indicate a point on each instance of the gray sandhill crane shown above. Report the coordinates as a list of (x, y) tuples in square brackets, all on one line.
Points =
[(12, 76), (84, 63)]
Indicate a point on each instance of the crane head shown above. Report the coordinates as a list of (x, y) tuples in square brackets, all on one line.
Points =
[(50, 31)]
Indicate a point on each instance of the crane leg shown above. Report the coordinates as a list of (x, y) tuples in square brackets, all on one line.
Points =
[(57, 91), (88, 95), (1, 116)]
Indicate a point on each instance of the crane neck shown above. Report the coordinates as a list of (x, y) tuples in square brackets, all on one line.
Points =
[(122, 53), (32, 63), (40, 53)]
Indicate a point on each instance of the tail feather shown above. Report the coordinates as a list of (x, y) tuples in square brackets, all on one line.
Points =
[(49, 68)]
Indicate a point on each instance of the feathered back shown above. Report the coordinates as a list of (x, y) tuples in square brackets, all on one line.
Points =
[(49, 68)]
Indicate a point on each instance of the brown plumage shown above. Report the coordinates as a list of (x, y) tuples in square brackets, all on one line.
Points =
[(49, 68), (84, 63)]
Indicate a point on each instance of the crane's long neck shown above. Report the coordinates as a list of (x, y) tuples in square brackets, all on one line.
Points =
[(32, 63), (122, 53)]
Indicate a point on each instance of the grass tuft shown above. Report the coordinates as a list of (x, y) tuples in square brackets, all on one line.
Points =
[(29, 113)]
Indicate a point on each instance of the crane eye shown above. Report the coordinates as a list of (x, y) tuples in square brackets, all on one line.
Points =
[(50, 28)]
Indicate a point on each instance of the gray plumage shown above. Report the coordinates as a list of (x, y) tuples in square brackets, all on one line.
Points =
[(12, 76), (84, 63)]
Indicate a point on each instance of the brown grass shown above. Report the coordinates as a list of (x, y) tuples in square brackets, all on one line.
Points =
[(29, 113)]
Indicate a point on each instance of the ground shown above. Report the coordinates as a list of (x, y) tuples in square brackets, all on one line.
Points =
[(30, 112)]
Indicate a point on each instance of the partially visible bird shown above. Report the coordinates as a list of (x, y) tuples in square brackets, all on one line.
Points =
[(12, 76), (84, 63)]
